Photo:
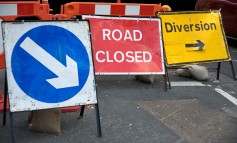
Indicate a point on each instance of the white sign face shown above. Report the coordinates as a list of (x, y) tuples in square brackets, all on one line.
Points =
[(49, 64)]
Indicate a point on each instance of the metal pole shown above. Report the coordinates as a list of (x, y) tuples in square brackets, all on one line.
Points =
[(166, 70), (12, 129), (82, 111), (233, 70), (5, 101), (98, 120), (165, 82), (218, 70)]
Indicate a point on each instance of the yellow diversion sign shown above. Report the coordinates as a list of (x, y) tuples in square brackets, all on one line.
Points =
[(193, 37)]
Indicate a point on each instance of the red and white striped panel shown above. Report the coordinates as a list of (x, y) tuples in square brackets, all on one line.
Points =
[(119, 9), (110, 9), (16, 9)]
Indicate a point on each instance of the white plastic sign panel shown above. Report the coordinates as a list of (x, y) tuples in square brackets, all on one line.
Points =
[(49, 64)]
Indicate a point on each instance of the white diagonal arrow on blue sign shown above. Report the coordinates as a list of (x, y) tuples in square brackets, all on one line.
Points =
[(67, 76)]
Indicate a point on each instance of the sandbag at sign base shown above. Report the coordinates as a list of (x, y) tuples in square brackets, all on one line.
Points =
[(45, 121), (194, 71), (150, 79)]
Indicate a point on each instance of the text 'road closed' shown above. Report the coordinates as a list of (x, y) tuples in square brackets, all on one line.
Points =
[(126, 45)]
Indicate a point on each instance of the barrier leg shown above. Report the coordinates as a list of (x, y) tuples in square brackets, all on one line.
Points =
[(218, 70), (168, 78), (232, 69), (165, 83), (5, 102), (12, 128), (98, 120), (82, 111)]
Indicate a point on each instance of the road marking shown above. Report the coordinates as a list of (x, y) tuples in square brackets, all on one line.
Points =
[(226, 95), (187, 83)]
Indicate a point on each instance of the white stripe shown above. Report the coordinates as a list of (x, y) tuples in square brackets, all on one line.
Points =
[(226, 95), (234, 60), (102, 9), (8, 9), (187, 83), (132, 10)]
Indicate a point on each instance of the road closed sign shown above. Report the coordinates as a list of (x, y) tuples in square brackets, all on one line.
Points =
[(49, 64), (126, 45), (193, 37)]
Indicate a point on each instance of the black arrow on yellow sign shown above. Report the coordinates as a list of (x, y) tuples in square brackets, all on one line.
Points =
[(199, 44)]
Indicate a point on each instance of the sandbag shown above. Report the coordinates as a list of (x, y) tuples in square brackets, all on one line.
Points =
[(46, 121), (150, 79), (198, 72), (184, 72)]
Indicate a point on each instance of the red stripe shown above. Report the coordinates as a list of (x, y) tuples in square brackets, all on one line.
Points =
[(25, 9), (117, 10), (147, 10), (2, 62), (87, 9)]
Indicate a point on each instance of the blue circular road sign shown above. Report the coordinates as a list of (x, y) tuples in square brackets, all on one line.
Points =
[(41, 54)]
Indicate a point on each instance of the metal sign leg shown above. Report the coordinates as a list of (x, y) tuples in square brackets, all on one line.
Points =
[(98, 120), (5, 101), (165, 82), (12, 129), (81, 111), (218, 70), (233, 70), (168, 78)]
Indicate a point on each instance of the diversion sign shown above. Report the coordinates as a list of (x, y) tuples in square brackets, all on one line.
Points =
[(194, 37), (126, 45)]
